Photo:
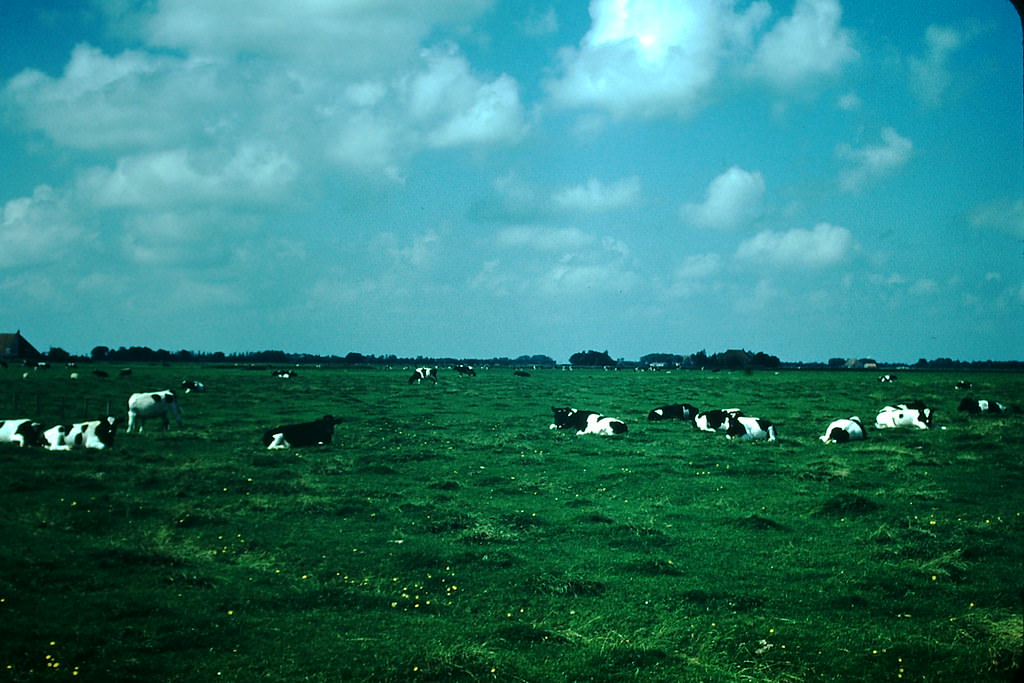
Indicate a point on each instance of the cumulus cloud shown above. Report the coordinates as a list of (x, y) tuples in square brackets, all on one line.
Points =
[(809, 43), (650, 57), (595, 195), (732, 200), (336, 36), (552, 262), (175, 178), (929, 74), (822, 246), (460, 109), (38, 229), (872, 162)]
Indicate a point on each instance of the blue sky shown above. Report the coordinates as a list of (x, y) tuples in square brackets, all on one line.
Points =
[(478, 178)]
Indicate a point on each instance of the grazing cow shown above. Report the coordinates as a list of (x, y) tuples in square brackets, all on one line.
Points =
[(976, 406), (587, 422), (420, 374), (676, 411), (751, 428), (191, 385), (284, 374), (125, 372), (887, 378), (465, 370), (913, 414), (715, 420), (843, 431), (521, 373), (98, 434), (315, 433), (160, 404), (23, 432), (963, 384)]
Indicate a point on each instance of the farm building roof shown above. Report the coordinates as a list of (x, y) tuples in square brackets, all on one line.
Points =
[(15, 346)]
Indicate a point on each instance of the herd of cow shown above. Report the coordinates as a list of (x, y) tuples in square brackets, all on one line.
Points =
[(99, 434), (736, 425)]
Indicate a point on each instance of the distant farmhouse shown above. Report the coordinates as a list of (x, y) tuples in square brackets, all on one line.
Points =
[(15, 347)]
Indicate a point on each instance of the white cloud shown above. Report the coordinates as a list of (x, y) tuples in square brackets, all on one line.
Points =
[(929, 74), (175, 178), (699, 267), (38, 229), (732, 200), (339, 37), (809, 43), (650, 57), (822, 246), (596, 196), (1005, 215), (543, 239), (874, 161)]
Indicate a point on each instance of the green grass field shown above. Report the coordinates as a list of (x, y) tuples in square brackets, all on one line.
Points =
[(448, 534)]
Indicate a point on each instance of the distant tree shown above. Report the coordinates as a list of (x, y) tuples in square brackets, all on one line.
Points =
[(585, 358), (538, 359), (100, 353), (58, 355), (836, 362)]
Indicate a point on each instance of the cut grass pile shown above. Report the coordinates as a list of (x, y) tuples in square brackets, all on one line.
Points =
[(448, 534)]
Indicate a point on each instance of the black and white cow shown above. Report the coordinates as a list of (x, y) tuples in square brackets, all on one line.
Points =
[(143, 406), (963, 384), (192, 386), (23, 432), (975, 406), (521, 373), (465, 370), (715, 420), (750, 428), (675, 411), (914, 414), (587, 422), (843, 431), (284, 374), (315, 433), (97, 434), (420, 374), (887, 379)]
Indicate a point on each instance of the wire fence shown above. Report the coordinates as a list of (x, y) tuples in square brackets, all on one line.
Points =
[(43, 406)]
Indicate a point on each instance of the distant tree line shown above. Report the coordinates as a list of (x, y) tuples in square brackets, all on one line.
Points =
[(732, 359)]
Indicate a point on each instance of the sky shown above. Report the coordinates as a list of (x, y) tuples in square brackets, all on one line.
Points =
[(497, 178)]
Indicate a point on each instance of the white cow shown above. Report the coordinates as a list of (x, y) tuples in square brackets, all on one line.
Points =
[(21, 431), (843, 431), (160, 404), (97, 434), (904, 415), (752, 428)]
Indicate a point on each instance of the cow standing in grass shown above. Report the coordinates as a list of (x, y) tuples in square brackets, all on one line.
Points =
[(421, 374), (160, 404)]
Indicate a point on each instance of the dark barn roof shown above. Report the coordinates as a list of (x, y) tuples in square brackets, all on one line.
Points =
[(14, 346)]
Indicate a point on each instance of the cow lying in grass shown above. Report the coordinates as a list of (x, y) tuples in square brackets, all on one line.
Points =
[(715, 420), (97, 434), (982, 406), (587, 422), (22, 431), (913, 414), (315, 433), (750, 428), (843, 431), (675, 411)]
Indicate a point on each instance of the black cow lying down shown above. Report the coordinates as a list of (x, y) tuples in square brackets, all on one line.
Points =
[(315, 433)]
